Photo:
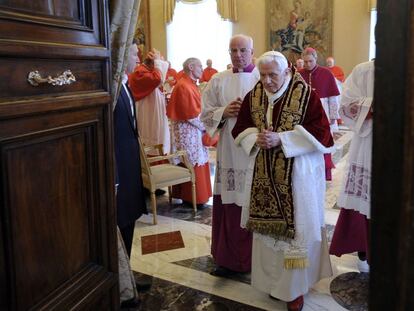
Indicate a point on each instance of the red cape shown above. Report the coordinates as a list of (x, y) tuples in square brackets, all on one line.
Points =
[(171, 73), (207, 74), (143, 81), (337, 72), (185, 101)]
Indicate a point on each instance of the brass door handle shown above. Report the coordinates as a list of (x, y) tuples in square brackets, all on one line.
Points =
[(67, 77)]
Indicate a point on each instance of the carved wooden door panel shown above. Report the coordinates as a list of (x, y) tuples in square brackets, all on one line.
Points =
[(57, 220)]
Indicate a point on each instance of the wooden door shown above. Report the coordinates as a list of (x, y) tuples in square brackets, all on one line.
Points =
[(57, 220), (392, 234)]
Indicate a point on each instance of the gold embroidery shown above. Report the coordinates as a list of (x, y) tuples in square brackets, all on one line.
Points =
[(257, 112), (271, 202), (280, 169), (295, 101)]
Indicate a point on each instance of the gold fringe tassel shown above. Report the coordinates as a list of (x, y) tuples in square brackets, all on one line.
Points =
[(271, 228), (296, 263)]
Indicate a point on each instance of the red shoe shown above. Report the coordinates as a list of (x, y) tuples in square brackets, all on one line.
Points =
[(295, 305)]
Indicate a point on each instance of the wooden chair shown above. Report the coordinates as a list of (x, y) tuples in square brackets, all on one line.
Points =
[(164, 174)]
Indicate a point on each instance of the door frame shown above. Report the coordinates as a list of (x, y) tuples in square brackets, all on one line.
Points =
[(392, 224)]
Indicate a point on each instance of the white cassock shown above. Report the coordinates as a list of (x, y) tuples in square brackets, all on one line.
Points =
[(151, 114), (223, 88), (356, 102), (308, 188)]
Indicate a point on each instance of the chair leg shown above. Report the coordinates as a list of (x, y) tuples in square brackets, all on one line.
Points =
[(194, 197), (170, 194), (154, 207)]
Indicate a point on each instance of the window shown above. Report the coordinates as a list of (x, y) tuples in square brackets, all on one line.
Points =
[(197, 30), (372, 46)]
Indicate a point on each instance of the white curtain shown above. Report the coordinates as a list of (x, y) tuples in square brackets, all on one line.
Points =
[(372, 46), (198, 31), (227, 9)]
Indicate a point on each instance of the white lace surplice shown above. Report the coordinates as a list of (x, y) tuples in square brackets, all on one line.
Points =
[(186, 135), (355, 104), (231, 167)]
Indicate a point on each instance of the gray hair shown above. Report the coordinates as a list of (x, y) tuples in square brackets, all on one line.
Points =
[(273, 56), (188, 62), (310, 51), (243, 37)]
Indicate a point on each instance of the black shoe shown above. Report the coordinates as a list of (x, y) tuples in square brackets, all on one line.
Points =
[(159, 192), (362, 256), (202, 206), (130, 303), (143, 287), (222, 272)]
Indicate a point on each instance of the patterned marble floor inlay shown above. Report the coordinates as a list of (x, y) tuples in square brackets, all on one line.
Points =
[(161, 242), (206, 264), (350, 290), (168, 296)]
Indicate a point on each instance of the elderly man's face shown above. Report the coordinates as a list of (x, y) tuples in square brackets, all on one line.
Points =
[(272, 76), (299, 63), (309, 62), (196, 69), (241, 53), (330, 62)]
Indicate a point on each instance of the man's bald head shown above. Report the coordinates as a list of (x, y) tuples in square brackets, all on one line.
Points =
[(241, 51)]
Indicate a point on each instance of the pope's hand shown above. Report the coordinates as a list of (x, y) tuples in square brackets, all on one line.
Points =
[(268, 139)]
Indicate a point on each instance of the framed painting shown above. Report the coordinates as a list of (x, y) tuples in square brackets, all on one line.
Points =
[(142, 32), (293, 25)]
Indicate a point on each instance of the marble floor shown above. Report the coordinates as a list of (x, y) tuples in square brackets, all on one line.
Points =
[(179, 263)]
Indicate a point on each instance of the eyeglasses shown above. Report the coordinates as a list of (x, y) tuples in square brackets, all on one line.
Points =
[(242, 51)]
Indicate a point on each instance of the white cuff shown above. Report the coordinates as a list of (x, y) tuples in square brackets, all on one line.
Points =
[(299, 141), (333, 104), (218, 114), (365, 107), (162, 66), (216, 118), (247, 140)]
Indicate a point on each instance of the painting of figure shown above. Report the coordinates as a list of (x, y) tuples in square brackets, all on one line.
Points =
[(142, 31), (294, 25)]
